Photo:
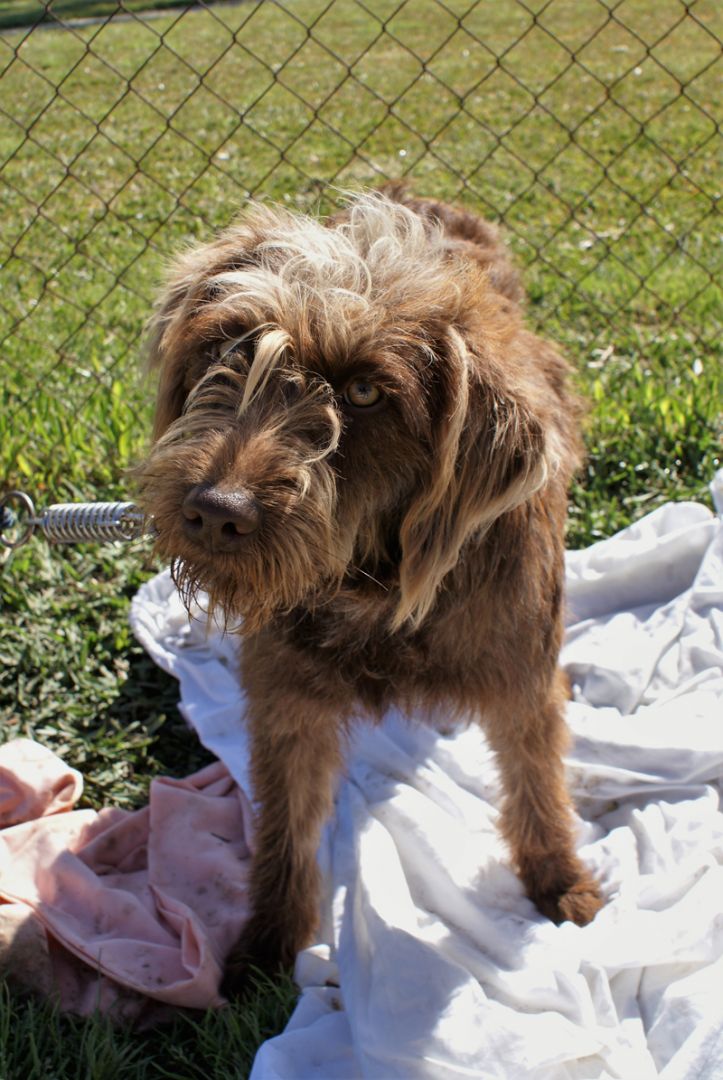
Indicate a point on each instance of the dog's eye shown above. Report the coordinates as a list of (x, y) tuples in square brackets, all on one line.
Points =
[(362, 394)]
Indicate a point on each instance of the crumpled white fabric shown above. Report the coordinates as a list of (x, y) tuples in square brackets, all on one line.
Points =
[(431, 963)]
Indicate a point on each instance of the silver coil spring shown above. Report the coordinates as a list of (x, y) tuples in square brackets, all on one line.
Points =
[(69, 523)]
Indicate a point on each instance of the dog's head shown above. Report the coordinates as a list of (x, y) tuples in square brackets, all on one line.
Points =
[(337, 402)]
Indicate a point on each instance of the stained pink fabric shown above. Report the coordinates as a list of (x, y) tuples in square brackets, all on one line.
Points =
[(110, 909), (34, 782)]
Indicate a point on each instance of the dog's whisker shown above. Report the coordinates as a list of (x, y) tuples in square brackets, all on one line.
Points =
[(358, 570)]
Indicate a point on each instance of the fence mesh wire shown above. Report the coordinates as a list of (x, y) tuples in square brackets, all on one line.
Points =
[(587, 127)]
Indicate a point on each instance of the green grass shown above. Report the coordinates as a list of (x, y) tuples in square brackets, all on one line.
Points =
[(37, 1042), (593, 137)]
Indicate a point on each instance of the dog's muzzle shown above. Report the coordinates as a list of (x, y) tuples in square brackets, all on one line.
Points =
[(220, 520)]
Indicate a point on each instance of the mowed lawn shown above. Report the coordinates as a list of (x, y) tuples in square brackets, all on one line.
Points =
[(588, 129)]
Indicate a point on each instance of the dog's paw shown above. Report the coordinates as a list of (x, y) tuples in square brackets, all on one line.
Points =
[(578, 904)]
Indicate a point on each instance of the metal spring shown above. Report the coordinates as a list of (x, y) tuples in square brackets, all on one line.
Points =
[(69, 523)]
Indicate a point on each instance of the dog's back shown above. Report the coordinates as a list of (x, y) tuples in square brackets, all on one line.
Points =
[(470, 236)]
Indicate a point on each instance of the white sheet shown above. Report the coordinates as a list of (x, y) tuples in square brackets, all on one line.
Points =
[(431, 963)]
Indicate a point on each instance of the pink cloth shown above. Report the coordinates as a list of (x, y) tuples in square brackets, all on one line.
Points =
[(34, 782), (148, 901)]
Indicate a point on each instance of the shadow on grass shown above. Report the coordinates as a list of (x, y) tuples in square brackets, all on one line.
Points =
[(143, 730), (37, 1040), (13, 14)]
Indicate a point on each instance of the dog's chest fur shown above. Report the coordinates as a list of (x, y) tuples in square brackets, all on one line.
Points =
[(349, 640), (375, 664)]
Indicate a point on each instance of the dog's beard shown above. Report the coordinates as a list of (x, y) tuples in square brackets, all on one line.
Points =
[(299, 557), (246, 591), (251, 593)]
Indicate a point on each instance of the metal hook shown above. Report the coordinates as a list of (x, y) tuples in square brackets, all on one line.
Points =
[(8, 518)]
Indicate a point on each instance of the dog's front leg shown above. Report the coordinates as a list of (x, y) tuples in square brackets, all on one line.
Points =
[(295, 758), (529, 736)]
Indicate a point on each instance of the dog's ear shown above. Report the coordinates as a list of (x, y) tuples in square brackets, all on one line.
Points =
[(187, 318), (488, 454), (163, 355)]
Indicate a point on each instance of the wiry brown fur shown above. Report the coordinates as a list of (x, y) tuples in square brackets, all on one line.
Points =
[(408, 553)]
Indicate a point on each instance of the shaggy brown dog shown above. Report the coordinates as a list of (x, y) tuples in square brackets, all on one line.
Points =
[(362, 455)]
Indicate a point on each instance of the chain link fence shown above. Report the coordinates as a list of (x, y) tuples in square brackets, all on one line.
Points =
[(587, 127)]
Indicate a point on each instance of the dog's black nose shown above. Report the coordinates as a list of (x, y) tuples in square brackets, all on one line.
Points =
[(221, 520)]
